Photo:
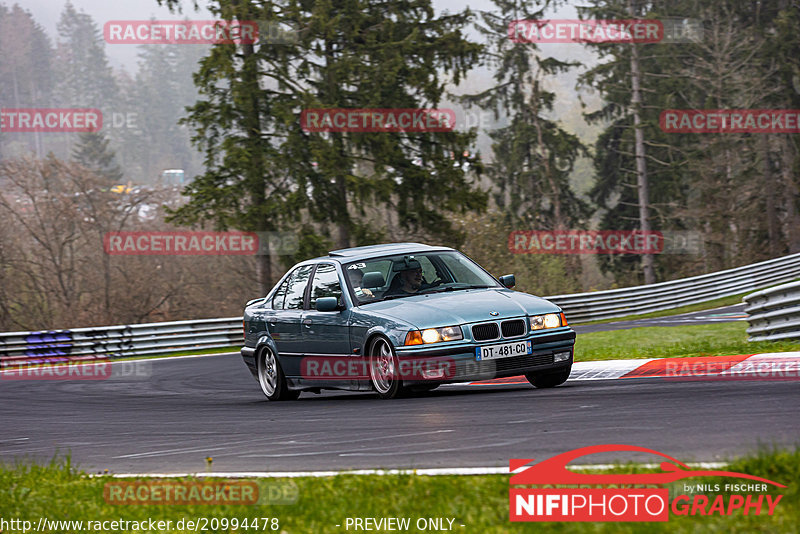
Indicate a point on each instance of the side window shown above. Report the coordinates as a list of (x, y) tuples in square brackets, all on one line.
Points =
[(280, 294), (297, 288), (325, 284)]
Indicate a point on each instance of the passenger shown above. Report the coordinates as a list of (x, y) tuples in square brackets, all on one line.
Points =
[(356, 278)]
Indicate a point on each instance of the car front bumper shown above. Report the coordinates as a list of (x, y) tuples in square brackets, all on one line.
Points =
[(458, 362)]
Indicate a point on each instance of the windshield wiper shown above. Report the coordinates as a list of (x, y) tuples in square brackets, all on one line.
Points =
[(454, 288), (399, 296)]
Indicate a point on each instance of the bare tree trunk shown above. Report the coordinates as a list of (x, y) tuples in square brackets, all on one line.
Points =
[(258, 185), (558, 223), (641, 164), (342, 226), (769, 200)]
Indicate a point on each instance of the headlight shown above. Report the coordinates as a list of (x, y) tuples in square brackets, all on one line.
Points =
[(434, 335), (550, 320)]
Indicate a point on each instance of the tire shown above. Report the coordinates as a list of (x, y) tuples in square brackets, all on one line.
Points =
[(271, 378), (383, 369), (548, 380)]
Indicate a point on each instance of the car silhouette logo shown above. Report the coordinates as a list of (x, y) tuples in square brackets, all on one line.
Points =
[(554, 470)]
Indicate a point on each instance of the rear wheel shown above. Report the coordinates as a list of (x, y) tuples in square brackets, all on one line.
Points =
[(384, 369), (271, 378), (548, 380)]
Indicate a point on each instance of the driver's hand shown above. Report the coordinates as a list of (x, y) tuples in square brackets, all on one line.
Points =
[(363, 291)]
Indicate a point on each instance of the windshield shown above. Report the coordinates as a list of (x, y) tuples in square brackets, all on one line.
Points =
[(404, 275)]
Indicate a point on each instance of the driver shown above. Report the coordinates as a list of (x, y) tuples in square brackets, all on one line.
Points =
[(408, 280)]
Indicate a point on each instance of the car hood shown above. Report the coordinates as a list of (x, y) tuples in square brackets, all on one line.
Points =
[(460, 307)]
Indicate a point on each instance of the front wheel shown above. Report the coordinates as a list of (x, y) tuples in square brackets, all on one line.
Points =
[(548, 380), (384, 369), (271, 378)]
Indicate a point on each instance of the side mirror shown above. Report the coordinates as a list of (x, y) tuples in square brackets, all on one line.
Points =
[(508, 280), (327, 304)]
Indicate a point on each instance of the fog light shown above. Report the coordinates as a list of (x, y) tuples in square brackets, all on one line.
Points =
[(561, 356)]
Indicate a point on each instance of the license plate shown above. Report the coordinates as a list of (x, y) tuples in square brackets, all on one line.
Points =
[(503, 350)]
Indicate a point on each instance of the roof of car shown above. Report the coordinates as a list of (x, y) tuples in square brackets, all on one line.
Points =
[(373, 251)]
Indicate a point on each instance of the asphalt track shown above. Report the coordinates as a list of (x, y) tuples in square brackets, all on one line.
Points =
[(182, 410)]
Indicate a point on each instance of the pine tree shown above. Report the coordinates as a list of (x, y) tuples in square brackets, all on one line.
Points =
[(641, 181), (533, 155), (86, 79), (93, 153), (26, 71), (262, 169)]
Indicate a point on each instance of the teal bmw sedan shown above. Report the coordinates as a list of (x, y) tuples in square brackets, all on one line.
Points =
[(398, 318)]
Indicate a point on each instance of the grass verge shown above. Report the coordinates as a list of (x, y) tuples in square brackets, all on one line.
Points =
[(674, 341), (480, 503)]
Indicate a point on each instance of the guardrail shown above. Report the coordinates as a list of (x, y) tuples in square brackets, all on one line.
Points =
[(592, 306), (170, 337), (118, 341), (774, 313)]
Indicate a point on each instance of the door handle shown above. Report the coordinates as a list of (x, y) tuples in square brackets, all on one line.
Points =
[(307, 322)]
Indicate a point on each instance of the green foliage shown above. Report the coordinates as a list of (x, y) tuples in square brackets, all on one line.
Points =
[(93, 153), (479, 502), (263, 172), (533, 155), (719, 339), (738, 190)]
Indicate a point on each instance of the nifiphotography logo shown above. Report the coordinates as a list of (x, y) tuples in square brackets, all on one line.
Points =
[(629, 497)]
